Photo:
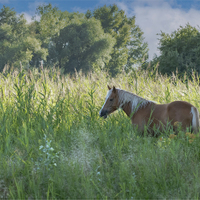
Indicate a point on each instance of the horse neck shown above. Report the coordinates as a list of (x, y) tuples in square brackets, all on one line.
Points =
[(127, 109), (130, 102)]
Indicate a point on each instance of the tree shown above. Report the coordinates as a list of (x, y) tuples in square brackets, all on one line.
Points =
[(52, 21), (83, 46), (129, 47), (16, 44), (180, 51)]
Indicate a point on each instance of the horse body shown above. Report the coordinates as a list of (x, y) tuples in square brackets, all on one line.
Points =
[(147, 113), (159, 115)]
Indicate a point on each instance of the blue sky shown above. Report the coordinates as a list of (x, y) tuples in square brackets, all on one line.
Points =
[(152, 16), (83, 5)]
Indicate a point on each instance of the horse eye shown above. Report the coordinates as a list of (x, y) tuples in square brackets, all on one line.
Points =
[(111, 99)]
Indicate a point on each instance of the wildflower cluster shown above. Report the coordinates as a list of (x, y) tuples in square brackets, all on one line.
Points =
[(177, 124), (172, 136), (190, 137), (163, 142), (47, 155)]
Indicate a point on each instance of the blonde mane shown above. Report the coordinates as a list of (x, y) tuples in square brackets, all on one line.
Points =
[(136, 101)]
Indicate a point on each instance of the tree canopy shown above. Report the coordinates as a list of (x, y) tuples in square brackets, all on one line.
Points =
[(180, 51), (83, 46), (16, 42), (104, 38), (129, 48)]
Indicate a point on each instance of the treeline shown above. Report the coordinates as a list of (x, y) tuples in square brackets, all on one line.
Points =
[(180, 52), (104, 38), (101, 39)]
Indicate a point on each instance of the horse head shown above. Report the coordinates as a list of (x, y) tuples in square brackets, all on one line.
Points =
[(111, 102)]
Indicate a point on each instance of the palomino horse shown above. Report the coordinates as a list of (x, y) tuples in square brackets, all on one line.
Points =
[(144, 112)]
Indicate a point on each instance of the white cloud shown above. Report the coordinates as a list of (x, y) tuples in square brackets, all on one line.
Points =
[(122, 6), (80, 10), (31, 11), (27, 16), (156, 16)]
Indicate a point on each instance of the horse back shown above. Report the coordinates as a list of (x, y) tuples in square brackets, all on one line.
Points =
[(159, 115), (176, 111)]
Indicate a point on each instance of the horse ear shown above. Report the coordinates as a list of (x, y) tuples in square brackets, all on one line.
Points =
[(114, 89), (109, 87)]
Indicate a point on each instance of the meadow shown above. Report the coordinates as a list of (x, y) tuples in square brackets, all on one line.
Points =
[(54, 145)]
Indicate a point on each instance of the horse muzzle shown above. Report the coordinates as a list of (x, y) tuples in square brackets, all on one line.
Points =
[(103, 113)]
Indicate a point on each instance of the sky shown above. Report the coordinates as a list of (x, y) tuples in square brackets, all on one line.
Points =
[(152, 16)]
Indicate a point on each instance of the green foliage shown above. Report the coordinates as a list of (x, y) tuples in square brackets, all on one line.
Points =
[(49, 28), (103, 39), (129, 49), (52, 20), (54, 145), (17, 46), (81, 46), (180, 51)]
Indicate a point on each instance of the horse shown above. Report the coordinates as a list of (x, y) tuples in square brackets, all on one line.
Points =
[(148, 113)]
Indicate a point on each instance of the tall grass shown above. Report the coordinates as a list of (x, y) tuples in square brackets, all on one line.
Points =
[(53, 144)]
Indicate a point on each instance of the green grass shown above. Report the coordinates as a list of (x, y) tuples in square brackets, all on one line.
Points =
[(53, 144)]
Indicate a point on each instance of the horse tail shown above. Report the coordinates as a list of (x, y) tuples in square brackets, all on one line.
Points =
[(195, 119)]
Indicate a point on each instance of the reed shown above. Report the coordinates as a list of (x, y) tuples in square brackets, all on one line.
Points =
[(53, 144)]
